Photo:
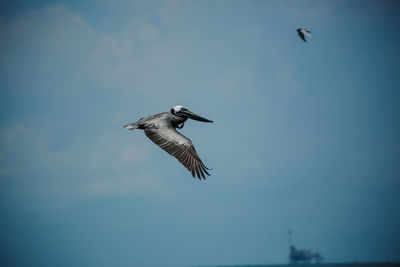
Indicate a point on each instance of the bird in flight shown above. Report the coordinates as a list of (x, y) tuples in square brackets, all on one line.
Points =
[(302, 32), (161, 129)]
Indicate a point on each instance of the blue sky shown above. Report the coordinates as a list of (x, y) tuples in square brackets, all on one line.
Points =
[(305, 135)]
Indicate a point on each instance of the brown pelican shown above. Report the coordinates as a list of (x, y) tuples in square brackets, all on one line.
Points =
[(303, 32), (161, 129)]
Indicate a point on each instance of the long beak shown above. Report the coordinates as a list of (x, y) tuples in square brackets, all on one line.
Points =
[(194, 116)]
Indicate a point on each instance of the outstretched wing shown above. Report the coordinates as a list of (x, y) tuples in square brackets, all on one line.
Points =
[(178, 146), (307, 32)]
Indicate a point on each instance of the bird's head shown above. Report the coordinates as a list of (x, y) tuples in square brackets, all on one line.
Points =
[(181, 111)]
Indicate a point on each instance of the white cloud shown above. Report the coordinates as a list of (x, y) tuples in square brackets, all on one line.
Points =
[(310, 11), (110, 167), (127, 184), (55, 48), (109, 46), (149, 31), (168, 12), (42, 24), (8, 140), (130, 155), (7, 136), (51, 27)]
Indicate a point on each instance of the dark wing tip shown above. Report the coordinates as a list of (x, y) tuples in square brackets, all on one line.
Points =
[(199, 170)]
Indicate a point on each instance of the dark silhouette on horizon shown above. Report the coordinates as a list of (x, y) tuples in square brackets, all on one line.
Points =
[(304, 256)]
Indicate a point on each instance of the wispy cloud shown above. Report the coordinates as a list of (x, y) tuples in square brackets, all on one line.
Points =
[(125, 185), (7, 136), (8, 139), (54, 46)]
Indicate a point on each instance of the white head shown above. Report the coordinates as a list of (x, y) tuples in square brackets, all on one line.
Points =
[(181, 111), (177, 109)]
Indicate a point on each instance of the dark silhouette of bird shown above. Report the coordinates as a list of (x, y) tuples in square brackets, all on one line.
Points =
[(302, 32), (161, 129)]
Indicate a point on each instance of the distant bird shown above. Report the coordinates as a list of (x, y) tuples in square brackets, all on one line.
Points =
[(161, 129), (303, 32)]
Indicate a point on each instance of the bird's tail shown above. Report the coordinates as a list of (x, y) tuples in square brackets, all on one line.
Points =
[(131, 126)]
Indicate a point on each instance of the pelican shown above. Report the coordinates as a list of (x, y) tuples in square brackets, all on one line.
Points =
[(303, 32), (161, 129)]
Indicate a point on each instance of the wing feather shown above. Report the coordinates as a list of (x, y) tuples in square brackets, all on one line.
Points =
[(307, 32), (178, 146)]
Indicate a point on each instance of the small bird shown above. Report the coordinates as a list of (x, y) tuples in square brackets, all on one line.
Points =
[(161, 129), (303, 32)]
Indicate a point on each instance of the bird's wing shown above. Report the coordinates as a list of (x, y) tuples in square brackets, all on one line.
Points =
[(301, 34), (178, 146), (307, 32)]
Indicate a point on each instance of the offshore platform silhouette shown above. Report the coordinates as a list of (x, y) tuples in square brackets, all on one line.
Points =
[(302, 255)]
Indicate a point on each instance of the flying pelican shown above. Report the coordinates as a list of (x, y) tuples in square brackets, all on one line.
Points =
[(303, 32), (161, 129)]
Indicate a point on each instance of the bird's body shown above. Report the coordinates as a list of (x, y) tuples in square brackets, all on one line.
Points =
[(157, 120), (302, 32), (161, 129)]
